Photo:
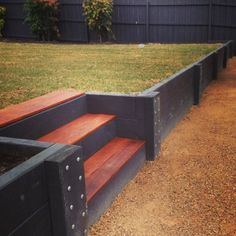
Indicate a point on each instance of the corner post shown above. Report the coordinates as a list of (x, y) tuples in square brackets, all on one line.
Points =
[(66, 188), (152, 124)]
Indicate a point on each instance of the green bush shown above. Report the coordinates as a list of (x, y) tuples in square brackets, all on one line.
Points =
[(42, 17), (98, 14), (2, 15)]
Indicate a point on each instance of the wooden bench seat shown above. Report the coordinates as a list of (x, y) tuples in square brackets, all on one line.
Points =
[(31, 107), (107, 162), (77, 129)]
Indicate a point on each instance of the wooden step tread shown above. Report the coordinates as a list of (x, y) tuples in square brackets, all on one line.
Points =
[(31, 107), (106, 163), (77, 129)]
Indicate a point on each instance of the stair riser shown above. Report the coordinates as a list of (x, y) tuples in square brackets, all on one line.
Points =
[(46, 121), (98, 139), (104, 198)]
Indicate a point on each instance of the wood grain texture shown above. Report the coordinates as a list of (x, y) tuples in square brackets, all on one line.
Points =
[(31, 107), (78, 129), (107, 162)]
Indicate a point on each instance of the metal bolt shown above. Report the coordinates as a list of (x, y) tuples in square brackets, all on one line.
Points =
[(82, 196), (73, 226), (83, 214), (85, 231), (22, 197), (69, 188), (71, 207), (80, 177), (67, 168), (78, 159)]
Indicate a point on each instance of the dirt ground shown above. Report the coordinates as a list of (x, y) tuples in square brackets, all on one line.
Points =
[(191, 189)]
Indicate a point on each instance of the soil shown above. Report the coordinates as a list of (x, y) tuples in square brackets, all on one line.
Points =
[(8, 162), (191, 189)]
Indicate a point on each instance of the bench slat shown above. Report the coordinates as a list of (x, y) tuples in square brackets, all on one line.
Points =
[(31, 107), (78, 129), (99, 170)]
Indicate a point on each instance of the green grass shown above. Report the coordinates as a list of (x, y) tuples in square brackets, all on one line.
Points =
[(28, 70)]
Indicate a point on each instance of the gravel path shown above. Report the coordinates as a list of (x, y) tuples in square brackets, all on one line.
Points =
[(191, 189)]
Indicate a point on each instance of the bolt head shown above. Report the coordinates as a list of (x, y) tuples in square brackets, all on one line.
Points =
[(83, 214), (78, 159), (67, 167), (82, 196), (71, 207), (73, 226), (80, 177), (69, 188)]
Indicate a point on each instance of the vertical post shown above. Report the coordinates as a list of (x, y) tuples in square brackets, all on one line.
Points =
[(147, 21), (197, 84), (225, 59), (152, 124), (210, 21), (215, 66), (66, 188)]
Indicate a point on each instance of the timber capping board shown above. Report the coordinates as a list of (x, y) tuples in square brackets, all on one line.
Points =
[(36, 105)]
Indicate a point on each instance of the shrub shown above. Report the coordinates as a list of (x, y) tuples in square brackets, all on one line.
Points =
[(98, 14), (42, 17), (2, 15)]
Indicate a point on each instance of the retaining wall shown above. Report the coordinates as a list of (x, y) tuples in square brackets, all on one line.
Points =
[(36, 196), (179, 92)]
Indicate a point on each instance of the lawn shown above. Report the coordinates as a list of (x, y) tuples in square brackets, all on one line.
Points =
[(28, 70)]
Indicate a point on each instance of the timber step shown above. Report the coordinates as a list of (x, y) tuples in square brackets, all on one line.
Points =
[(78, 129), (107, 162), (36, 105)]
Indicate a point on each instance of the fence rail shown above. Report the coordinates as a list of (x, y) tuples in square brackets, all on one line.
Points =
[(140, 21)]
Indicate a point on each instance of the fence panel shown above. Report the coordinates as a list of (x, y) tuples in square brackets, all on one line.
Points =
[(167, 21)]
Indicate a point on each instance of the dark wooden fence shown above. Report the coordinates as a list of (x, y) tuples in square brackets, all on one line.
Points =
[(140, 20)]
